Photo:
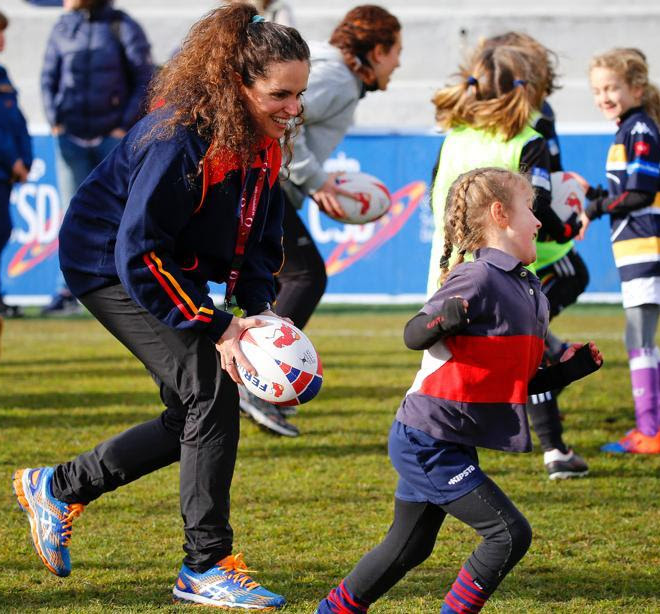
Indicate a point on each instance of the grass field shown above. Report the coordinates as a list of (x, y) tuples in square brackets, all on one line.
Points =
[(304, 510)]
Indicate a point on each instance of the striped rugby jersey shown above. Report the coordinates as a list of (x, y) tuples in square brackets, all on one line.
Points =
[(472, 387), (633, 163)]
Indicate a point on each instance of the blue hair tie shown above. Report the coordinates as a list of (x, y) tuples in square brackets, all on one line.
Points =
[(517, 82), (257, 19), (472, 80)]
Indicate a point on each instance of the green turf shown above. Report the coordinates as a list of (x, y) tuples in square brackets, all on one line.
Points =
[(304, 510)]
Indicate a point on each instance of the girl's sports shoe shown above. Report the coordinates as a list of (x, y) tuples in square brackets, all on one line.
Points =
[(634, 442), (225, 585), (562, 466), (50, 519)]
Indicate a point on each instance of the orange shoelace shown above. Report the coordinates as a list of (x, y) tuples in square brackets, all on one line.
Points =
[(237, 570), (74, 510)]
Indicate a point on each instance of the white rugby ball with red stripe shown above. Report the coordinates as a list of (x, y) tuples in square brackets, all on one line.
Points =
[(289, 370), (372, 198), (567, 195)]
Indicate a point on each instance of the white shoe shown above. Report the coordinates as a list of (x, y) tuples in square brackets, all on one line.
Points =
[(561, 466)]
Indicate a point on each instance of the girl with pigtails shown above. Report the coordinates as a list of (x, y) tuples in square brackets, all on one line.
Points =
[(622, 91), (190, 195), (489, 115), (482, 335)]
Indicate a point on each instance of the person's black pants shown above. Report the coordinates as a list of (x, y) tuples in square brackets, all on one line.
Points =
[(302, 280), (412, 536), (199, 427)]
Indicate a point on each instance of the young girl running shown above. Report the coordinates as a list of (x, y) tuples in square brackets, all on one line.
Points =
[(482, 333), (621, 88), (489, 113)]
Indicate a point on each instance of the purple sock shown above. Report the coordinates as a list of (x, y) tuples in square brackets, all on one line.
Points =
[(644, 380), (341, 601), (656, 353)]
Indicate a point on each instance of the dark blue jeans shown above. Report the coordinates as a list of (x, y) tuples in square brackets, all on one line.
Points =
[(73, 164)]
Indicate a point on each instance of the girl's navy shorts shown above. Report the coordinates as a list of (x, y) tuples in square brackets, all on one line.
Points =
[(430, 469)]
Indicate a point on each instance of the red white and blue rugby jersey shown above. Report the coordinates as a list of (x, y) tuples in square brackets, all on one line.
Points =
[(633, 163), (472, 387)]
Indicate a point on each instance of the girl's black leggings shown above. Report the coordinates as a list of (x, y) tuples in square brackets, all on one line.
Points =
[(411, 538)]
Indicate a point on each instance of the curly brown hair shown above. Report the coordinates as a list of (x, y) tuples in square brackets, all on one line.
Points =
[(359, 32), (202, 82)]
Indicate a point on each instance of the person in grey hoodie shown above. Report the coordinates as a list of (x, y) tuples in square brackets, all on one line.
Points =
[(361, 55)]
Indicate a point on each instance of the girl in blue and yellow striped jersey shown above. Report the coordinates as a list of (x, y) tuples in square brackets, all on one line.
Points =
[(621, 88)]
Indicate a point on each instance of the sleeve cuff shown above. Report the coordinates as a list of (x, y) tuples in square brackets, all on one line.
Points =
[(219, 324), (257, 308)]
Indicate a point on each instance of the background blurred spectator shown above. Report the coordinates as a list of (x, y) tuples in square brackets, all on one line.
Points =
[(94, 80), (15, 154)]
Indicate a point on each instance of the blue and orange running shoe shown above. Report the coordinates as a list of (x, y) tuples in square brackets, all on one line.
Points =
[(225, 585), (634, 442), (50, 519)]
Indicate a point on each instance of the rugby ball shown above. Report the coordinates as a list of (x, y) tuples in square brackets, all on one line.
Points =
[(289, 370), (567, 195), (371, 198)]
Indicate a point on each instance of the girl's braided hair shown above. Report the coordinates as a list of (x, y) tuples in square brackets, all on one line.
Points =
[(467, 210)]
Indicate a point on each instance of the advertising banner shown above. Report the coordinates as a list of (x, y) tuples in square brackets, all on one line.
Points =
[(385, 261), (30, 269)]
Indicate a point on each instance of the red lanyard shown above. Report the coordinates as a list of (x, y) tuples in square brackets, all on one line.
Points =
[(248, 212)]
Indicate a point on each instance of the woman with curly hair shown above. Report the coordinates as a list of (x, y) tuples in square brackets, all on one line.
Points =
[(190, 195)]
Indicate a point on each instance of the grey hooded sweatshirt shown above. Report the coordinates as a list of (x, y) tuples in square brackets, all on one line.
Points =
[(333, 92)]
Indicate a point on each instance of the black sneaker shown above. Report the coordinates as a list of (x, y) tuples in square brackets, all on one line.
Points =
[(562, 466), (265, 414)]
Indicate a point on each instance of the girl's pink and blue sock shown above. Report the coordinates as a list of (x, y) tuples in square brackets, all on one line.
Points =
[(465, 596), (341, 601)]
